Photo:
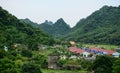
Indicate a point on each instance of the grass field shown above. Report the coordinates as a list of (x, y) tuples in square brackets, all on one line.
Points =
[(111, 47), (62, 71)]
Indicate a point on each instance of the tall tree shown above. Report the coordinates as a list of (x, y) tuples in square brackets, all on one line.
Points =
[(31, 68), (103, 64), (116, 66)]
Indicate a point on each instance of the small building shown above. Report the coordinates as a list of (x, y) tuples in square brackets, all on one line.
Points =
[(52, 62), (5, 48), (79, 51), (100, 51), (116, 54), (86, 54), (72, 43)]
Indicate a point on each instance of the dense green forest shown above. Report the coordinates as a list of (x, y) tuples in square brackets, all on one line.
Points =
[(13, 31), (28, 21), (18, 45), (101, 27), (57, 29)]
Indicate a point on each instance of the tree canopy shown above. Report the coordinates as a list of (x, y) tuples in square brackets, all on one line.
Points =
[(12, 31), (101, 27)]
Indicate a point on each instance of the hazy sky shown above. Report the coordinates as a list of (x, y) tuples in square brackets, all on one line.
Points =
[(40, 10)]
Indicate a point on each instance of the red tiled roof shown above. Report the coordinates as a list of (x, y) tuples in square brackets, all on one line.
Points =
[(80, 51), (76, 50), (109, 51)]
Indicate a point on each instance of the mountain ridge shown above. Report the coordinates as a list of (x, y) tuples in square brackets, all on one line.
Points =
[(102, 26), (12, 31), (57, 29)]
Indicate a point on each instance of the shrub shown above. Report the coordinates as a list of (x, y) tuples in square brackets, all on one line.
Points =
[(103, 64), (116, 66), (86, 65), (40, 60), (31, 68), (26, 53), (8, 66)]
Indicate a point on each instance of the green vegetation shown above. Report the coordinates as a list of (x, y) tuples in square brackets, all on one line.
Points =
[(8, 66), (62, 71), (58, 29), (26, 53), (103, 64), (101, 27), (116, 66), (12, 31), (21, 40), (30, 68), (29, 22), (13, 61), (111, 47)]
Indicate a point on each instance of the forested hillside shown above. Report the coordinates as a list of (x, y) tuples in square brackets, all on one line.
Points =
[(57, 29), (101, 27), (13, 31), (28, 21)]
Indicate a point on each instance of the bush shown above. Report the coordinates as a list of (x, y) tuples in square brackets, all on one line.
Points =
[(26, 53), (103, 64), (116, 66), (69, 64), (2, 53), (61, 62), (8, 66), (40, 60), (31, 68), (87, 65)]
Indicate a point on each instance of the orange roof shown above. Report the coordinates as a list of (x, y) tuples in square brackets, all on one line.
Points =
[(76, 50)]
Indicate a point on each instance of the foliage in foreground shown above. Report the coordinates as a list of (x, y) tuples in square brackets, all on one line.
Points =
[(31, 67), (103, 64), (101, 27), (116, 66)]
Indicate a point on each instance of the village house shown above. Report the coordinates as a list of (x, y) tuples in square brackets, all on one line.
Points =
[(85, 52), (79, 51), (52, 61), (116, 54), (100, 51), (72, 43)]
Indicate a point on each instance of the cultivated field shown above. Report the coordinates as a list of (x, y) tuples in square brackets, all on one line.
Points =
[(62, 71)]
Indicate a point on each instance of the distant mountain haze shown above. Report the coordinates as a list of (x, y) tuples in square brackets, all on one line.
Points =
[(48, 22)]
